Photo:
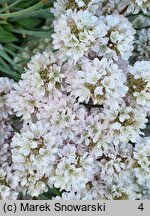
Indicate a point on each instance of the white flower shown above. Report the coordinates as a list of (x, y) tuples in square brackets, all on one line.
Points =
[(83, 110), (7, 183), (119, 38), (125, 122), (135, 6), (44, 70), (33, 155), (6, 130), (141, 154), (72, 170), (124, 113), (5, 87), (67, 176), (61, 6), (86, 162), (76, 32), (42, 80), (99, 80), (139, 83), (107, 7)]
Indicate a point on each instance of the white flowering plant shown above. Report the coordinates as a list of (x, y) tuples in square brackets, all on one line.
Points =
[(75, 125)]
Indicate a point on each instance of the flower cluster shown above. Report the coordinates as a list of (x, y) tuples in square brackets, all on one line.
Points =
[(98, 80), (33, 155), (5, 122), (60, 6), (83, 109), (7, 182), (76, 33), (118, 40), (101, 7), (139, 83), (41, 80), (5, 87), (141, 165), (79, 33), (134, 6)]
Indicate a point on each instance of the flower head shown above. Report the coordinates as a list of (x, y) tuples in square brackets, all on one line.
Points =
[(138, 82), (76, 32), (98, 80)]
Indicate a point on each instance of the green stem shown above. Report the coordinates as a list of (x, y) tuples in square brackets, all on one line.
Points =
[(8, 59), (13, 54), (144, 27), (43, 197), (10, 6), (146, 15), (132, 15), (11, 74), (19, 48), (3, 1), (25, 11), (41, 34), (3, 63)]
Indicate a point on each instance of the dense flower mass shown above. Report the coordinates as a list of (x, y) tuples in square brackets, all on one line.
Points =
[(61, 6), (8, 183), (141, 164), (79, 33), (76, 33), (139, 83), (41, 80), (34, 154), (134, 6), (126, 123), (118, 40), (101, 7), (82, 109), (98, 80), (5, 87), (96, 7)]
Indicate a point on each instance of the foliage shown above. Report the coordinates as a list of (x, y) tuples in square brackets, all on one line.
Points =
[(20, 23)]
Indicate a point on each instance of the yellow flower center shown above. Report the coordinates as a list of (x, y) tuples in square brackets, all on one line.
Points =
[(71, 4), (122, 197), (44, 76), (135, 85), (127, 122), (111, 44), (92, 88)]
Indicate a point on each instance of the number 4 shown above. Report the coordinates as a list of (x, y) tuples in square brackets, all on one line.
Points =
[(141, 207)]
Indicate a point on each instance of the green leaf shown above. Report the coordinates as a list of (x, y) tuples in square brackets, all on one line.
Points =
[(5, 56), (6, 36), (28, 23), (41, 34), (25, 11), (43, 13), (11, 74), (52, 192), (8, 7), (8, 27), (4, 64), (25, 4)]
